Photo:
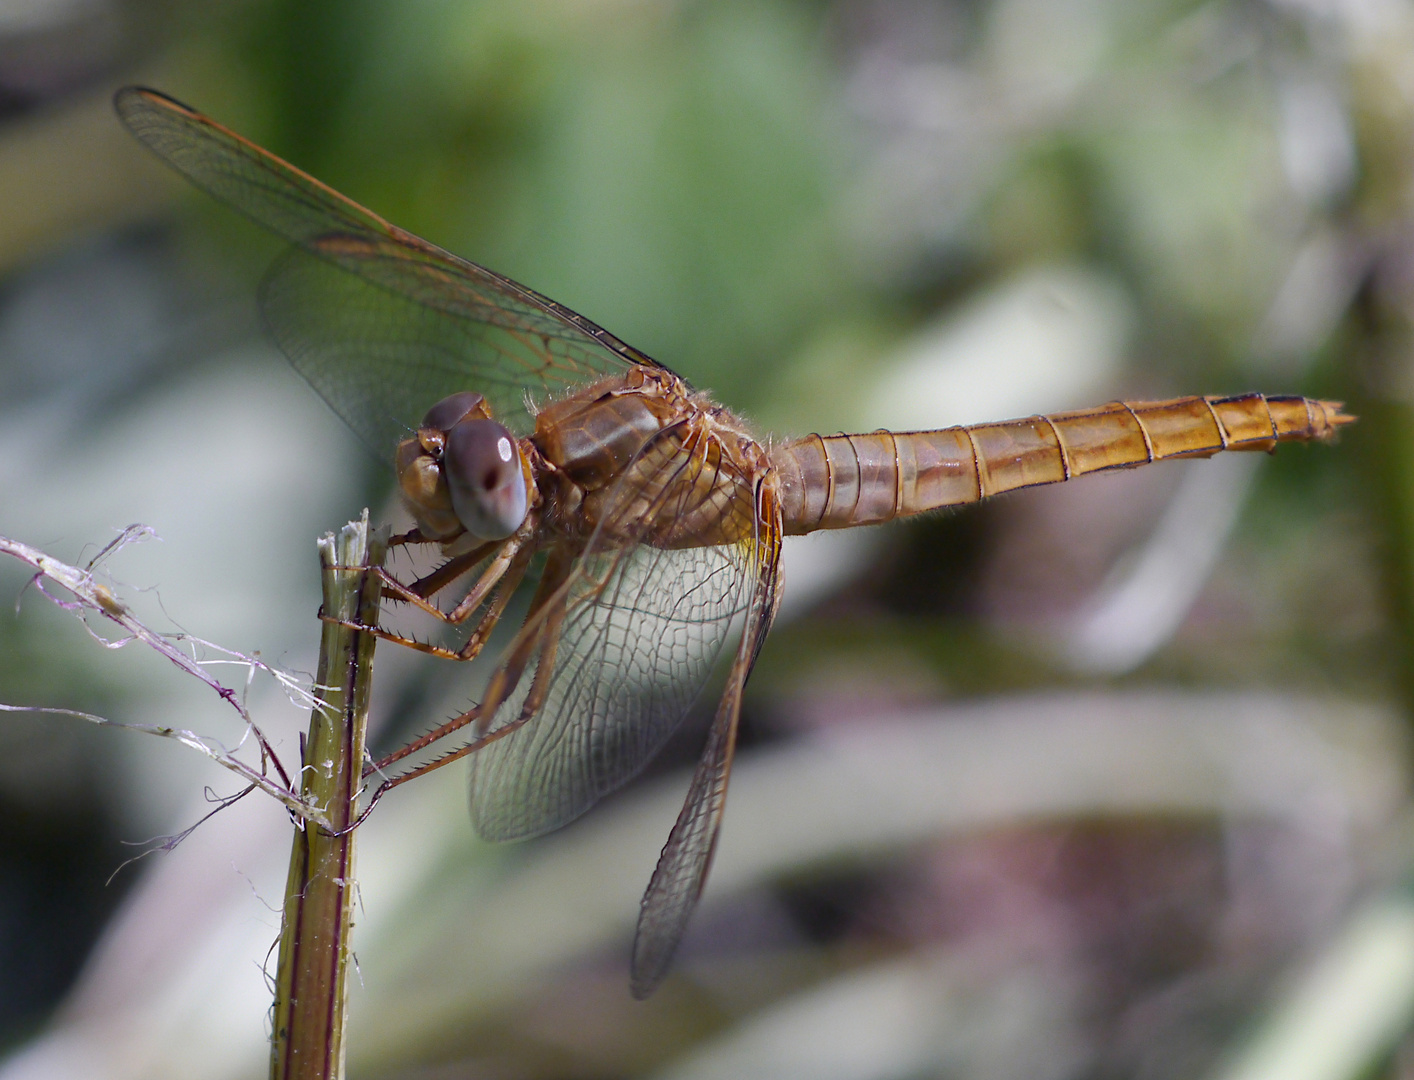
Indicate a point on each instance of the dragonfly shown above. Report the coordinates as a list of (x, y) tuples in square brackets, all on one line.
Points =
[(532, 447)]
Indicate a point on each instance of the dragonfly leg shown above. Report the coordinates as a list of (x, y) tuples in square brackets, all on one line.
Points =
[(396, 638), (474, 644), (544, 670), (541, 625), (450, 570), (506, 569), (512, 559), (393, 589), (549, 637), (417, 593), (514, 575), (412, 536)]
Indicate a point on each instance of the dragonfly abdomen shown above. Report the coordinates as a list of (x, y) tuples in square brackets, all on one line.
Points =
[(837, 481)]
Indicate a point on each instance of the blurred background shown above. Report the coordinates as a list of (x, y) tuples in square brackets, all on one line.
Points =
[(1103, 780)]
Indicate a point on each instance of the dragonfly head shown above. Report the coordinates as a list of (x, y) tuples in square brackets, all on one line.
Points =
[(464, 471)]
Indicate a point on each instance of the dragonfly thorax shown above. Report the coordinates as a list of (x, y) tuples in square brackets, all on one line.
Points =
[(648, 459), (592, 436)]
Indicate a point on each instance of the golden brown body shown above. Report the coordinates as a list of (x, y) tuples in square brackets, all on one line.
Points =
[(659, 517), (640, 461), (839, 481), (614, 438)]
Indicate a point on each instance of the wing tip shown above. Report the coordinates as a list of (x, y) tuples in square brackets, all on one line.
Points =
[(127, 98), (649, 965)]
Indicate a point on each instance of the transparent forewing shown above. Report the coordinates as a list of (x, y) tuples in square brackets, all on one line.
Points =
[(681, 872), (643, 626), (380, 357), (513, 336)]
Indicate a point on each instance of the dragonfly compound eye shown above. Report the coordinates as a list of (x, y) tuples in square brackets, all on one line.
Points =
[(452, 409), (482, 465)]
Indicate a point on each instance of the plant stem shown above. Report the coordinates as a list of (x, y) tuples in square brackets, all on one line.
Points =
[(315, 953)]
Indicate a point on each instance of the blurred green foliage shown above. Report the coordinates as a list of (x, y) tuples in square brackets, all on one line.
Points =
[(670, 172)]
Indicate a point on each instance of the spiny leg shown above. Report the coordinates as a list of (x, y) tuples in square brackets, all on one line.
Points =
[(549, 636), (548, 633), (417, 593), (506, 677), (497, 608), (476, 641), (544, 671), (512, 559), (449, 571)]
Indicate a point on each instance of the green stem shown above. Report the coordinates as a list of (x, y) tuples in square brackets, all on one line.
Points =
[(315, 953)]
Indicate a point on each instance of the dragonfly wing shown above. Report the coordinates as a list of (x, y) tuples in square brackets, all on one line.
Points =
[(381, 355), (681, 872), (642, 630), (641, 635), (561, 348)]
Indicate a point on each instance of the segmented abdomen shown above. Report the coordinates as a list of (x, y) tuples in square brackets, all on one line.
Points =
[(832, 482)]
